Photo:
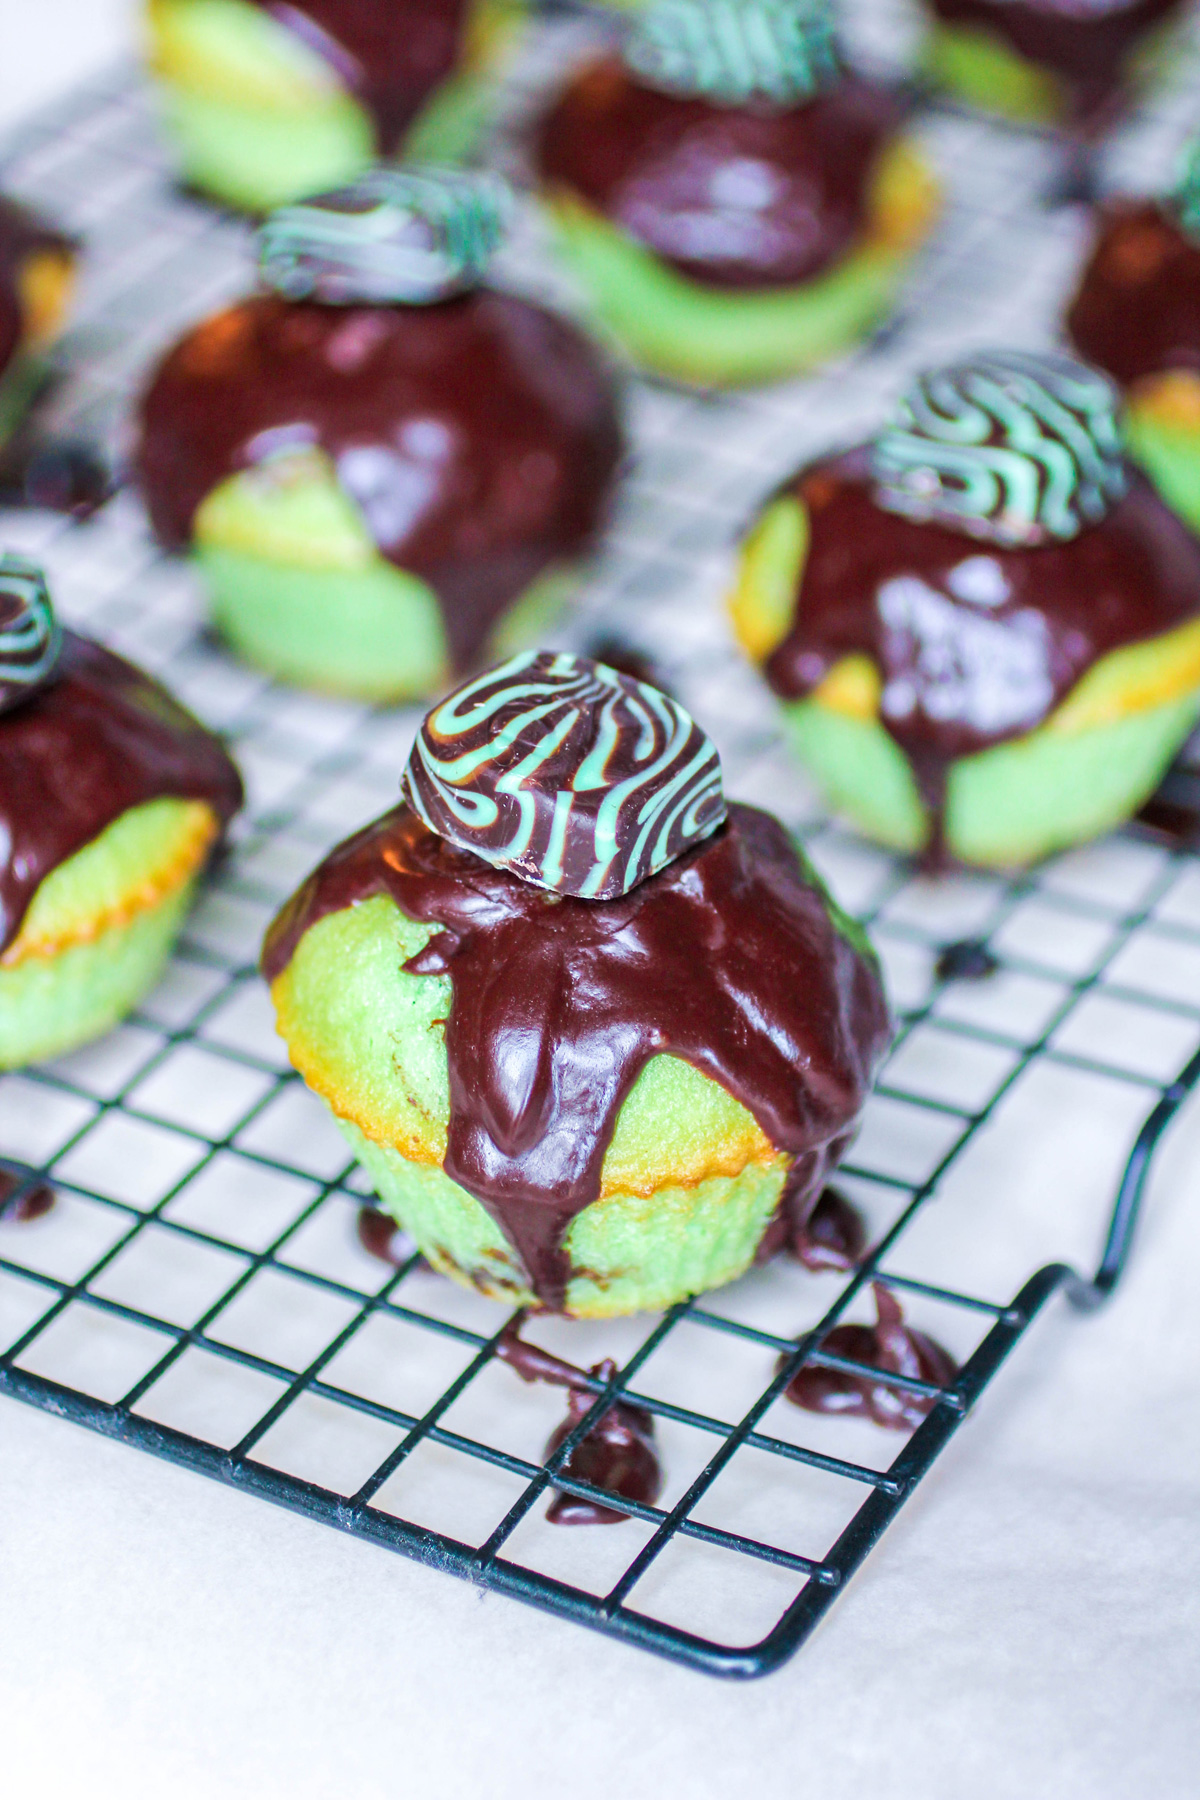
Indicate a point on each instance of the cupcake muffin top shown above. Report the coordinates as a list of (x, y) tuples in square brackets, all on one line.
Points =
[(477, 433), (391, 54), (1137, 310), (1088, 47), (84, 736), (729, 140), (727, 955), (24, 237), (984, 552)]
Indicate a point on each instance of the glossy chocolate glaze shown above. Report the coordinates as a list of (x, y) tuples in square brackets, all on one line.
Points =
[(391, 54), (828, 1234), (756, 196), (1088, 47), (975, 643), (728, 959), (833, 1237), (1137, 309), (479, 436), (966, 960), (380, 1236), (101, 738), (891, 1347), (24, 1196), (1172, 815), (618, 1453), (63, 475), (22, 235)]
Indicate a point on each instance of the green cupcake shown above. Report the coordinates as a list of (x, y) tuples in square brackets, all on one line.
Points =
[(37, 274), (1136, 314), (736, 203), (589, 1031), (1039, 63), (984, 628), (111, 800), (386, 470), (266, 104)]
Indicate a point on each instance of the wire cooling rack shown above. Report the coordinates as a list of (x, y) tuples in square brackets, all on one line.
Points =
[(198, 1290)]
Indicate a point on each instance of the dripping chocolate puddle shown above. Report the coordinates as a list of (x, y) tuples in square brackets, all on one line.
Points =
[(618, 1454), (967, 960), (381, 1237), (890, 1347), (24, 1196), (62, 476), (1171, 816), (42, 470), (829, 1239), (833, 1237)]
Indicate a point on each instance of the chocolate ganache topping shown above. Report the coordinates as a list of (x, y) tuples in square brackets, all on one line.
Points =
[(22, 235), (728, 141), (976, 641), (570, 775), (1089, 45), (618, 1454), (1137, 309), (94, 738), (390, 54), (414, 235), (729, 958), (479, 436)]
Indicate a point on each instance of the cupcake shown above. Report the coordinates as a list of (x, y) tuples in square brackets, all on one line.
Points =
[(588, 1028), (37, 265), (737, 203), (984, 626), (386, 469), (1137, 315), (267, 101), (1046, 62), (112, 797)]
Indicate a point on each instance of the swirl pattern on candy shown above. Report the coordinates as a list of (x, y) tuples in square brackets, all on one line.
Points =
[(732, 51), (411, 236), (1187, 191), (1012, 447), (571, 776), (30, 634)]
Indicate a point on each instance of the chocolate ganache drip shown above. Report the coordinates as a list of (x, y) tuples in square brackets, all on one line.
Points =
[(390, 54), (1089, 47), (889, 1347), (977, 635), (479, 436), (617, 1454), (1137, 310), (728, 958), (572, 776), (94, 739), (729, 142)]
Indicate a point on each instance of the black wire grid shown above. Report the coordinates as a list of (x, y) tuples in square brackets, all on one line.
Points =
[(198, 1290)]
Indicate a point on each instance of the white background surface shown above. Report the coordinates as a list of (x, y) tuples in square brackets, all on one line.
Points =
[(1030, 1628), (46, 45)]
